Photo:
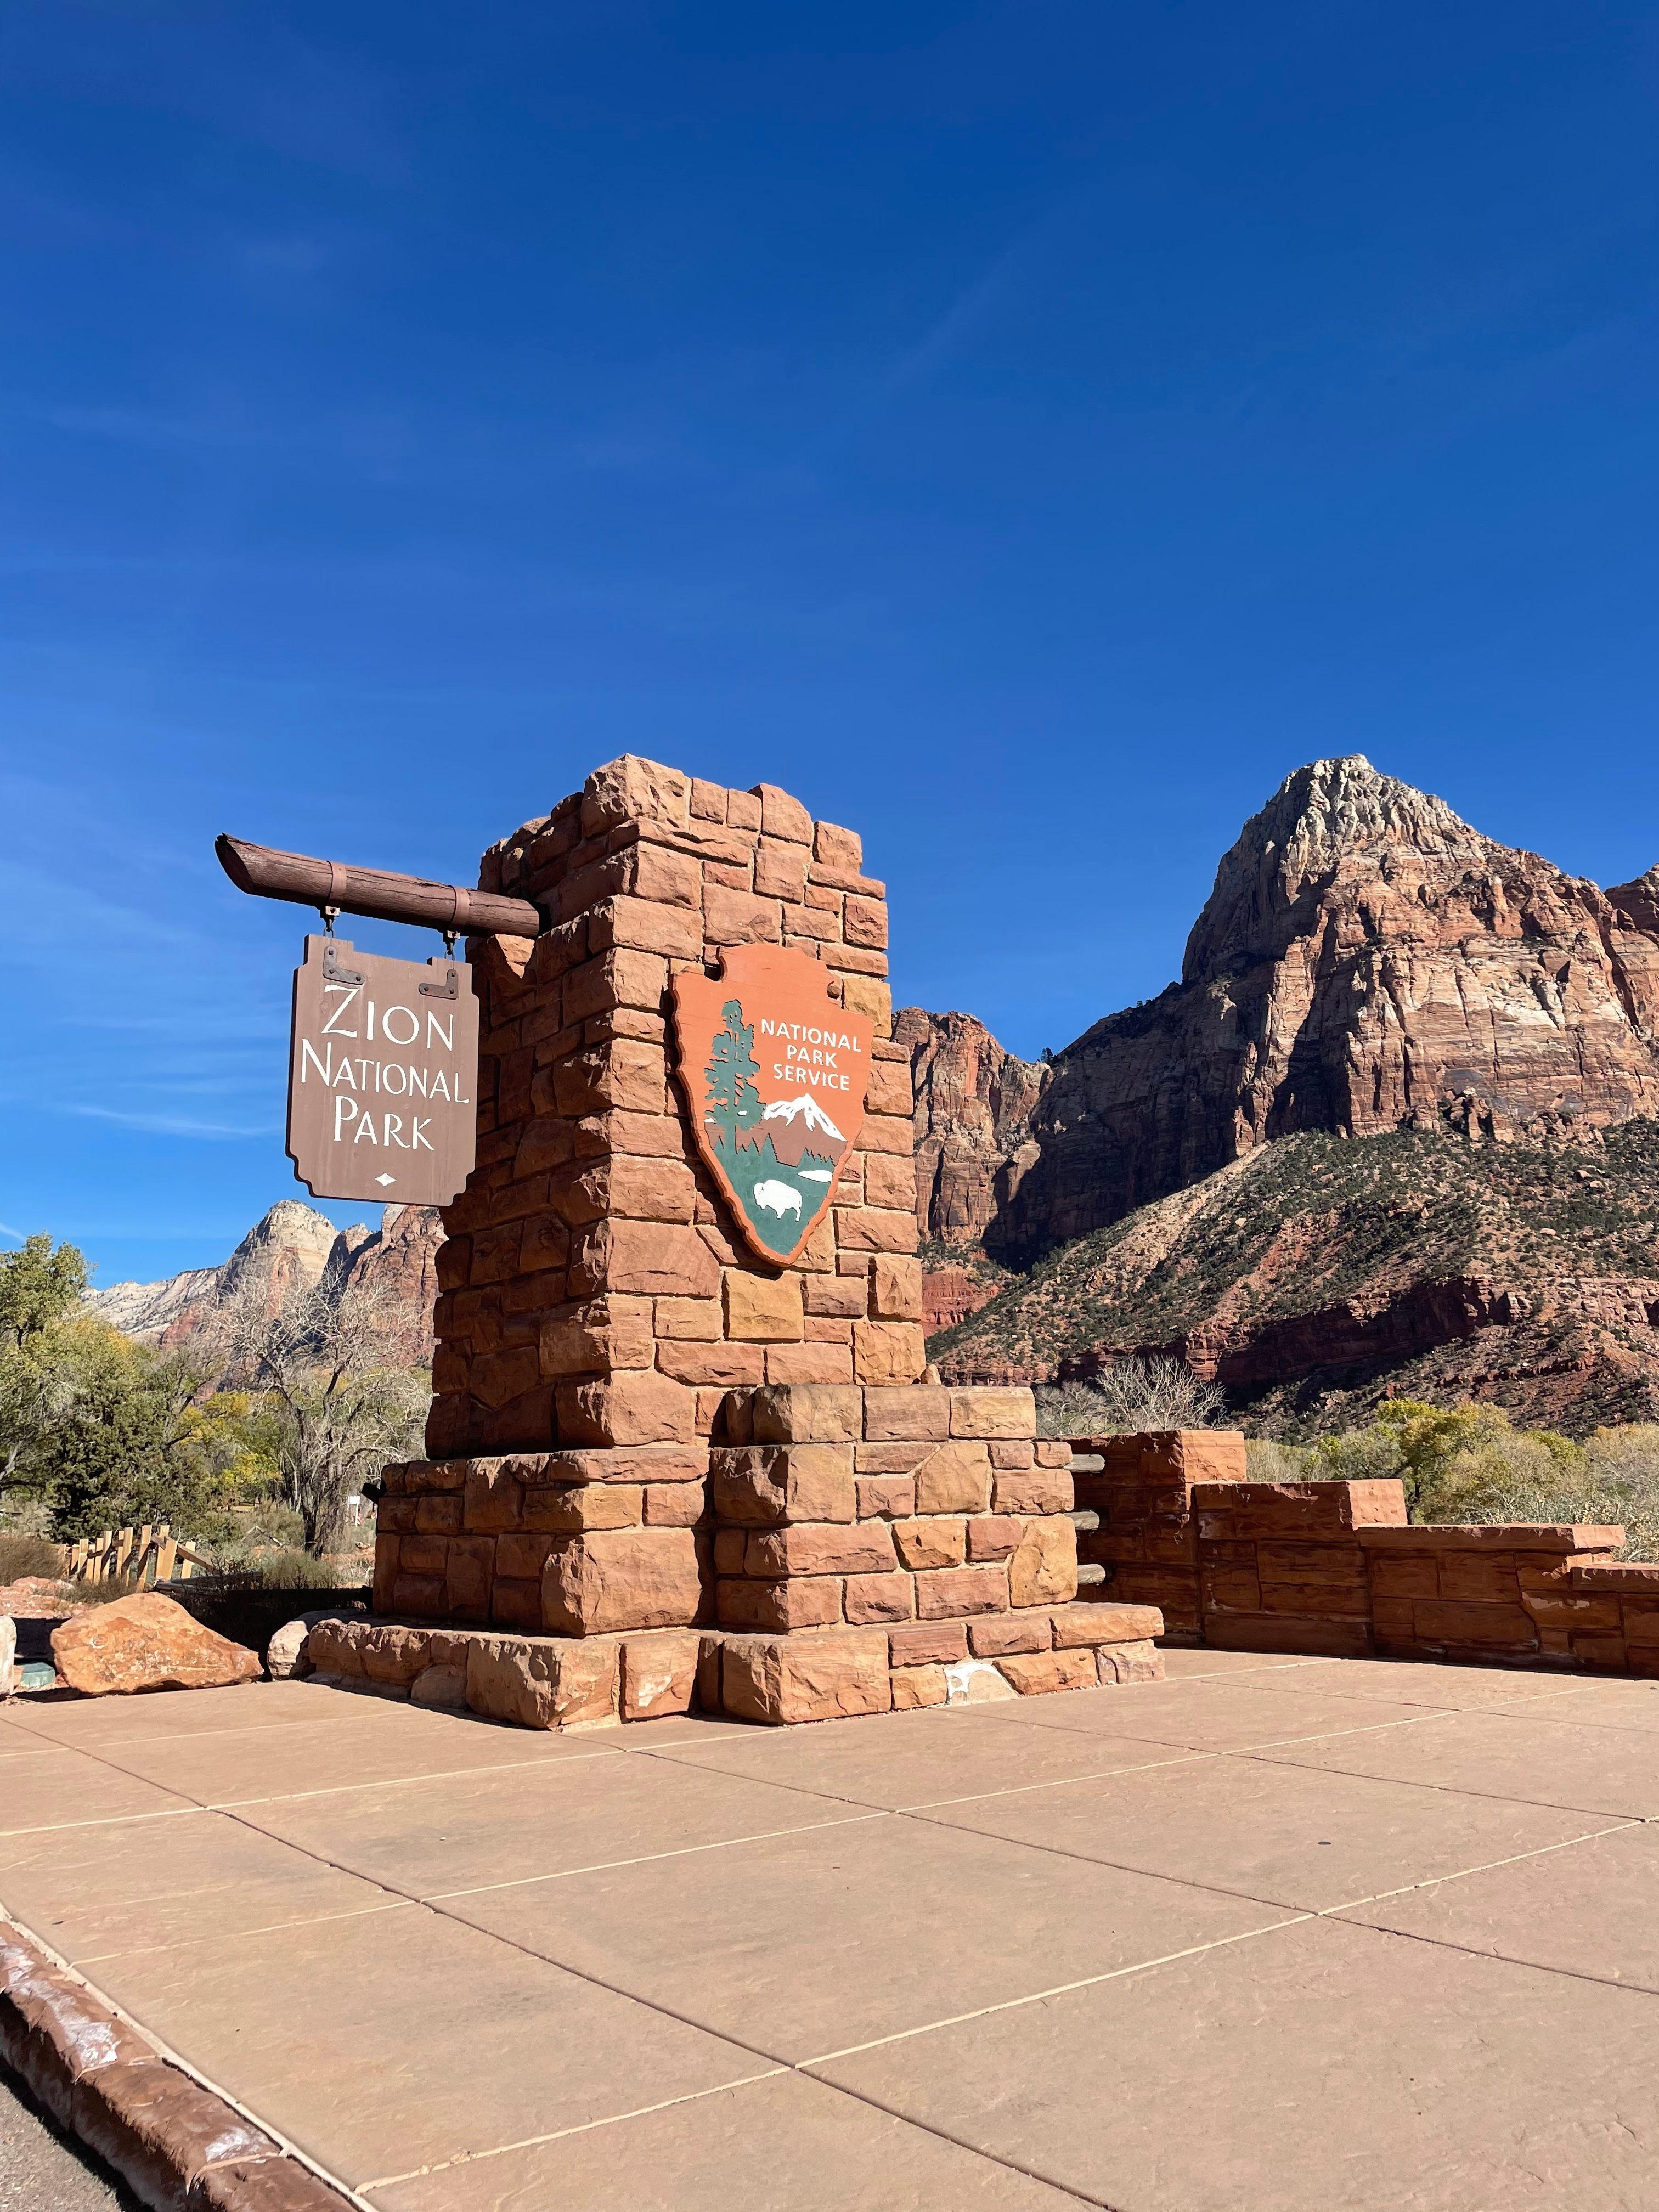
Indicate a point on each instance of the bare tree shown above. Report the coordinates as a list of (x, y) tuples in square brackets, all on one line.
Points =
[(1127, 1399), (345, 1379)]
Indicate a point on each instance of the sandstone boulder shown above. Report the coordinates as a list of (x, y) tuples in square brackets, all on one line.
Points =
[(286, 1654), (146, 1642)]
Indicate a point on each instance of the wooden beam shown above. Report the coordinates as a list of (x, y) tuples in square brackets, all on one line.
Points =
[(377, 892)]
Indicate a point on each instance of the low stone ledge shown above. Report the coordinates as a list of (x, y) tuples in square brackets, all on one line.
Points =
[(1492, 1536), (177, 2145), (777, 1678)]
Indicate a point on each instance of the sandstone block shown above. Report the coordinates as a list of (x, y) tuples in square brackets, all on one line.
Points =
[(763, 1309), (469, 1570), (688, 1320), (877, 1597), (765, 1486), (630, 789), (918, 1413), (733, 917), (1032, 1490), (888, 1352), (890, 1090), (835, 848), (617, 978), (286, 1655), (651, 1259), (873, 1229), (781, 870), (630, 1408), (892, 1496), (937, 1542), (611, 1579), (865, 996), (952, 1593), (673, 1505), (889, 1459), (658, 1675), (918, 1685), (566, 1512), (1079, 1624), (536, 1684), (826, 1413), (866, 923), (825, 1676), (894, 1285), (940, 1644), (889, 1180), (858, 1548), (1012, 1631), (1043, 1671), (443, 1688), (421, 1595), (842, 1297), (987, 1413), (492, 1497), (146, 1642), (994, 1536), (1043, 1570), (955, 1478), (805, 1602), (596, 1335), (712, 1365), (659, 1135), (826, 1363), (638, 924), (516, 1604), (781, 815), (670, 1461), (1129, 1662)]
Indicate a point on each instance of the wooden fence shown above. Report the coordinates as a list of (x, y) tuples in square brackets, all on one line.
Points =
[(142, 1556)]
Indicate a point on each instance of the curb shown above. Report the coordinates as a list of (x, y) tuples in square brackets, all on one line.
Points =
[(177, 2146)]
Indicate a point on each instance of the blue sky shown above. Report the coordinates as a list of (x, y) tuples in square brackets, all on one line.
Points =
[(1025, 431)]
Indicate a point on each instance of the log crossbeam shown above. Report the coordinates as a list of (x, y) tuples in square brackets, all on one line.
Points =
[(379, 894)]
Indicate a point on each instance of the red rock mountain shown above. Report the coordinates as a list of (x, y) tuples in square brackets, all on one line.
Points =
[(291, 1245), (1366, 962), (974, 1105)]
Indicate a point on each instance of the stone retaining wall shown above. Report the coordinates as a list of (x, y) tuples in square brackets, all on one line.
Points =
[(822, 1673), (1332, 1568)]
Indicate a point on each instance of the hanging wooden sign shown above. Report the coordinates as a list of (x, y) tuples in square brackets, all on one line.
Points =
[(775, 1074), (382, 1076)]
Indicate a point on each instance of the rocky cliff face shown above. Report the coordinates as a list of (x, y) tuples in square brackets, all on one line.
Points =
[(1366, 962), (1314, 1277), (973, 1116), (291, 1247)]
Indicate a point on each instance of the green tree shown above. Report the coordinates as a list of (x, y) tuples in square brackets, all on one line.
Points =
[(37, 1286), (114, 1454), (733, 1101)]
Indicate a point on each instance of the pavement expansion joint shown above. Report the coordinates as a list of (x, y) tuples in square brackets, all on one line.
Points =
[(1059, 1989), (650, 1858), (577, 2127)]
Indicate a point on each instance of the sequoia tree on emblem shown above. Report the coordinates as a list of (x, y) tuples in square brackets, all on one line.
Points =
[(774, 1073)]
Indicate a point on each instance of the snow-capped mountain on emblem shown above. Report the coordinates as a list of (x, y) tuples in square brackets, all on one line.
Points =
[(765, 1054)]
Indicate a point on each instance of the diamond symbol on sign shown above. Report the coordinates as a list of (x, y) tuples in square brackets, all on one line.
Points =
[(384, 1180)]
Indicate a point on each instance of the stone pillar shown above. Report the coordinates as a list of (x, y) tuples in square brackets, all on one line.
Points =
[(602, 1323)]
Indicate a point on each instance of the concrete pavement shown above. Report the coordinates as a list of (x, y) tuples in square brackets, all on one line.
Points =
[(1275, 1936)]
